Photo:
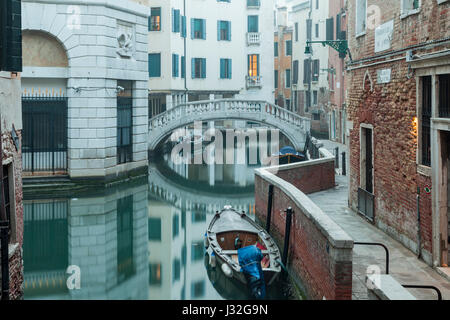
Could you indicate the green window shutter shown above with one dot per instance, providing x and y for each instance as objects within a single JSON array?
[
  {"x": 330, "y": 29},
  {"x": 229, "y": 31},
  {"x": 11, "y": 36},
  {"x": 222, "y": 68},
  {"x": 173, "y": 20},
  {"x": 276, "y": 79},
  {"x": 218, "y": 29},
  {"x": 230, "y": 69},
  {"x": 204, "y": 29},
  {"x": 183, "y": 67},
  {"x": 192, "y": 28},
  {"x": 154, "y": 64},
  {"x": 183, "y": 26},
  {"x": 252, "y": 23},
  {"x": 193, "y": 68},
  {"x": 203, "y": 68}
]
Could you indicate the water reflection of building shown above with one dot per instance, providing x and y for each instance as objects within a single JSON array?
[
  {"x": 177, "y": 221},
  {"x": 104, "y": 234}
]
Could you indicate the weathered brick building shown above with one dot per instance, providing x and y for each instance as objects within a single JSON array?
[
  {"x": 399, "y": 119},
  {"x": 283, "y": 66},
  {"x": 11, "y": 158}
]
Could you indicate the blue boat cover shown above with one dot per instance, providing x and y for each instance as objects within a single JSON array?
[
  {"x": 287, "y": 150},
  {"x": 250, "y": 261}
]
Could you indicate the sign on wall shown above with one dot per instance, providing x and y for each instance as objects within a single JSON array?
[
  {"x": 383, "y": 36},
  {"x": 384, "y": 76}
]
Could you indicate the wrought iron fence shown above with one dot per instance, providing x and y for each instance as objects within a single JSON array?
[
  {"x": 365, "y": 203},
  {"x": 44, "y": 143},
  {"x": 124, "y": 129}
]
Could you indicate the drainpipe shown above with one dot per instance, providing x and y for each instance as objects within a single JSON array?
[
  {"x": 419, "y": 248},
  {"x": 309, "y": 105},
  {"x": 185, "y": 57}
]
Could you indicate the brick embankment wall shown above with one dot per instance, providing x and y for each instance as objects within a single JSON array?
[
  {"x": 13, "y": 157},
  {"x": 320, "y": 252}
]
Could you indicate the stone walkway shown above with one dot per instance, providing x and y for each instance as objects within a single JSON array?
[{"x": 404, "y": 265}]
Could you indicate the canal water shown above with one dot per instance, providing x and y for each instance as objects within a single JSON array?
[{"x": 137, "y": 240}]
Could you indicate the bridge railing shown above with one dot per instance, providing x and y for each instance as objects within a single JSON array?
[{"x": 229, "y": 106}]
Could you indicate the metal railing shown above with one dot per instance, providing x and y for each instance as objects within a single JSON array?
[
  {"x": 380, "y": 245},
  {"x": 253, "y": 81},
  {"x": 413, "y": 286}
]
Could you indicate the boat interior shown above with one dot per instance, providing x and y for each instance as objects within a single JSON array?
[{"x": 231, "y": 241}]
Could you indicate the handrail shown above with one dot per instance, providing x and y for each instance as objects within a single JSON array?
[
  {"x": 377, "y": 244},
  {"x": 413, "y": 286}
]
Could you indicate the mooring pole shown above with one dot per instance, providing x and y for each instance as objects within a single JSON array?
[
  {"x": 269, "y": 208},
  {"x": 287, "y": 234},
  {"x": 344, "y": 165}
]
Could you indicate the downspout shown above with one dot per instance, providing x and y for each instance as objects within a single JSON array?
[
  {"x": 309, "y": 105},
  {"x": 185, "y": 57},
  {"x": 419, "y": 245}
]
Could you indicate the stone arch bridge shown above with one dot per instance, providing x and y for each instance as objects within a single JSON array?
[{"x": 292, "y": 125}]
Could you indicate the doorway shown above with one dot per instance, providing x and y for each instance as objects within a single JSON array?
[{"x": 365, "y": 191}]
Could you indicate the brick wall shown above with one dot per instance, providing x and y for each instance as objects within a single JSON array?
[
  {"x": 320, "y": 254},
  {"x": 391, "y": 108}
]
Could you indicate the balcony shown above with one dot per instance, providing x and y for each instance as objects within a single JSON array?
[
  {"x": 254, "y": 82},
  {"x": 253, "y": 38},
  {"x": 253, "y": 4}
]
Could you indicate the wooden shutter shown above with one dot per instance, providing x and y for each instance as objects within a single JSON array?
[
  {"x": 203, "y": 68},
  {"x": 193, "y": 68},
  {"x": 308, "y": 29},
  {"x": 203, "y": 29},
  {"x": 10, "y": 36},
  {"x": 295, "y": 75},
  {"x": 330, "y": 29}
]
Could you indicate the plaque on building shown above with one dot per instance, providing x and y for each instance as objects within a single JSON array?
[
  {"x": 383, "y": 36},
  {"x": 384, "y": 76}
]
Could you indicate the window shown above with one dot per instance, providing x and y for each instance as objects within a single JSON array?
[
  {"x": 176, "y": 20},
  {"x": 275, "y": 48},
  {"x": 223, "y": 30},
  {"x": 330, "y": 29},
  {"x": 315, "y": 97},
  {"x": 183, "y": 26},
  {"x": 175, "y": 226},
  {"x": 198, "y": 289},
  {"x": 410, "y": 7},
  {"x": 276, "y": 79},
  {"x": 253, "y": 65},
  {"x": 154, "y": 274},
  {"x": 296, "y": 31},
  {"x": 253, "y": 25},
  {"x": 225, "y": 68},
  {"x": 306, "y": 71},
  {"x": 444, "y": 96},
  {"x": 316, "y": 115},
  {"x": 308, "y": 28},
  {"x": 10, "y": 36},
  {"x": 155, "y": 19},
  {"x": 317, "y": 4},
  {"x": 175, "y": 65},
  {"x": 197, "y": 252},
  {"x": 288, "y": 47},
  {"x": 361, "y": 16},
  {"x": 198, "y": 29},
  {"x": 288, "y": 78},
  {"x": 154, "y": 65},
  {"x": 198, "y": 68},
  {"x": 253, "y": 3},
  {"x": 317, "y": 30},
  {"x": 124, "y": 123},
  {"x": 154, "y": 229},
  {"x": 176, "y": 266},
  {"x": 426, "y": 121},
  {"x": 295, "y": 76},
  {"x": 125, "y": 263}
]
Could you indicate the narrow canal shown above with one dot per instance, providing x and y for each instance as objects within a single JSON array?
[{"x": 137, "y": 240}]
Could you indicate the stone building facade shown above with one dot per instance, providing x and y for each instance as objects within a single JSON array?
[
  {"x": 89, "y": 60},
  {"x": 398, "y": 112},
  {"x": 11, "y": 135}
]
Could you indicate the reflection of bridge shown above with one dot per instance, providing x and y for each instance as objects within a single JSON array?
[
  {"x": 293, "y": 126},
  {"x": 172, "y": 192}
]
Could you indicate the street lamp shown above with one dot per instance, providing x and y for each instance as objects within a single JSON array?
[{"x": 340, "y": 46}]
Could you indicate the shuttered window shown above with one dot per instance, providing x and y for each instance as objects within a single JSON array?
[
  {"x": 426, "y": 121},
  {"x": 176, "y": 20},
  {"x": 306, "y": 71},
  {"x": 198, "y": 68},
  {"x": 330, "y": 29},
  {"x": 253, "y": 25},
  {"x": 154, "y": 23},
  {"x": 10, "y": 36},
  {"x": 295, "y": 75},
  {"x": 288, "y": 47},
  {"x": 253, "y": 65},
  {"x": 223, "y": 30},
  {"x": 308, "y": 29},
  {"x": 175, "y": 65},
  {"x": 154, "y": 65},
  {"x": 198, "y": 29},
  {"x": 316, "y": 70},
  {"x": 225, "y": 68}
]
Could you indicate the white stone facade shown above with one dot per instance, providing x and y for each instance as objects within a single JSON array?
[
  {"x": 105, "y": 42},
  {"x": 166, "y": 42}
]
